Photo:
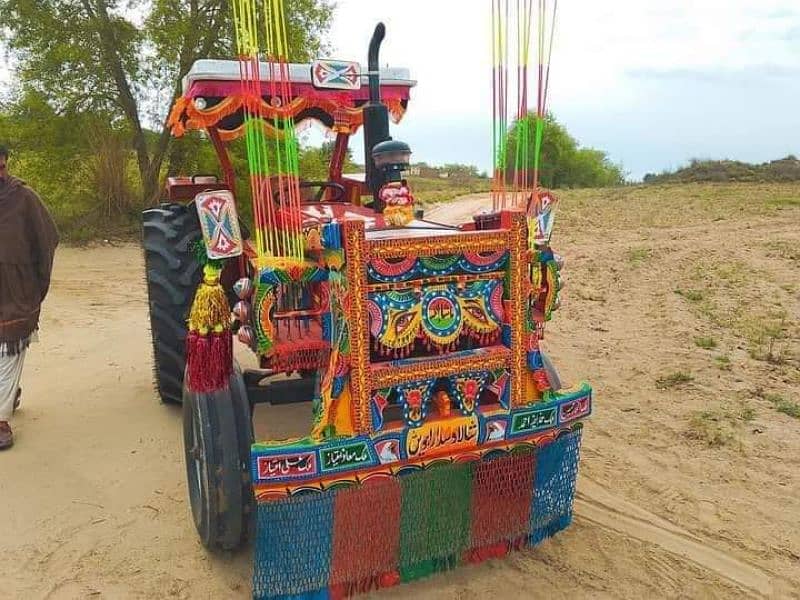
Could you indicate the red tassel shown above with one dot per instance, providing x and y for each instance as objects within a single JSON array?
[
  {"x": 220, "y": 360},
  {"x": 209, "y": 361},
  {"x": 197, "y": 353}
]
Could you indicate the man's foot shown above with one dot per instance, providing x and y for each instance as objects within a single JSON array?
[
  {"x": 6, "y": 436},
  {"x": 18, "y": 398}
]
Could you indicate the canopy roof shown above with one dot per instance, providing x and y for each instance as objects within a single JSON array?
[{"x": 213, "y": 97}]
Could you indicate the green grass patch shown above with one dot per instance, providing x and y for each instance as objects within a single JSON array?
[
  {"x": 723, "y": 362},
  {"x": 638, "y": 255},
  {"x": 711, "y": 428},
  {"x": 707, "y": 343},
  {"x": 766, "y": 335},
  {"x": 784, "y": 249},
  {"x": 672, "y": 380},
  {"x": 746, "y": 412},
  {"x": 782, "y": 405},
  {"x": 690, "y": 295},
  {"x": 784, "y": 201}
]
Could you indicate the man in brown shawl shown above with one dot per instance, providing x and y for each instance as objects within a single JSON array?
[{"x": 28, "y": 240}]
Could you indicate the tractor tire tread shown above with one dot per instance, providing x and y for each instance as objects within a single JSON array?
[{"x": 172, "y": 275}]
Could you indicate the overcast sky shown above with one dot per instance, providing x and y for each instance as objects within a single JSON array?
[{"x": 653, "y": 83}]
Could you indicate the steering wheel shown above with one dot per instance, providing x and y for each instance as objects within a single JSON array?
[{"x": 337, "y": 194}]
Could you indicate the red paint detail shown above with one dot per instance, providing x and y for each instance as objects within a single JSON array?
[
  {"x": 414, "y": 398},
  {"x": 223, "y": 243},
  {"x": 300, "y": 90},
  {"x": 541, "y": 380},
  {"x": 471, "y": 389},
  {"x": 337, "y": 160},
  {"x": 214, "y": 205},
  {"x": 286, "y": 465}
]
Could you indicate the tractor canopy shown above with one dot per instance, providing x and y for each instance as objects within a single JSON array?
[{"x": 213, "y": 97}]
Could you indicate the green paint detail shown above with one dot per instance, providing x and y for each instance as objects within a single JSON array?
[
  {"x": 264, "y": 342},
  {"x": 341, "y": 457},
  {"x": 305, "y": 443},
  {"x": 439, "y": 262},
  {"x": 533, "y": 420}
]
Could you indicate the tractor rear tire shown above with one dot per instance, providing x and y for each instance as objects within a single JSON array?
[
  {"x": 172, "y": 273},
  {"x": 217, "y": 430}
]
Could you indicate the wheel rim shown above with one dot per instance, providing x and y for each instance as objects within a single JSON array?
[{"x": 197, "y": 470}]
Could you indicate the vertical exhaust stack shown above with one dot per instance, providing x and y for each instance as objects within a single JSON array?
[{"x": 376, "y": 115}]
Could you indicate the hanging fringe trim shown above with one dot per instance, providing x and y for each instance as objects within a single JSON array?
[
  {"x": 209, "y": 361},
  {"x": 14, "y": 347}
]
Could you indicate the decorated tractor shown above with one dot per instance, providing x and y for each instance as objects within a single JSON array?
[{"x": 438, "y": 430}]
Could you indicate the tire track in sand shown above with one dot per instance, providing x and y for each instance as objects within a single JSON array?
[{"x": 598, "y": 506}]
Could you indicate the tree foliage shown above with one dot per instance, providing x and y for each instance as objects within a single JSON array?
[
  {"x": 80, "y": 165},
  {"x": 125, "y": 61},
  {"x": 563, "y": 163},
  {"x": 723, "y": 171},
  {"x": 314, "y": 162}
]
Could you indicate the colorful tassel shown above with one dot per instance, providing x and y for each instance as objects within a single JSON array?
[{"x": 209, "y": 346}]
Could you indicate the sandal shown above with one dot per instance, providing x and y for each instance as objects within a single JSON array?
[{"x": 6, "y": 436}]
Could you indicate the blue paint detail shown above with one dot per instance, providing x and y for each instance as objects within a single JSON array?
[
  {"x": 506, "y": 335},
  {"x": 293, "y": 547},
  {"x": 377, "y": 416},
  {"x": 546, "y": 255},
  {"x": 332, "y": 236},
  {"x": 505, "y": 397},
  {"x": 394, "y": 436},
  {"x": 337, "y": 386},
  {"x": 483, "y": 423},
  {"x": 211, "y": 223},
  {"x": 327, "y": 327},
  {"x": 535, "y": 360},
  {"x": 226, "y": 225},
  {"x": 497, "y": 265}
]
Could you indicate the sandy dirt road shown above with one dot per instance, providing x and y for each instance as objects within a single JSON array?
[{"x": 93, "y": 500}]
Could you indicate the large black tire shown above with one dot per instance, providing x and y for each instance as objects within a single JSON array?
[
  {"x": 172, "y": 274},
  {"x": 217, "y": 431}
]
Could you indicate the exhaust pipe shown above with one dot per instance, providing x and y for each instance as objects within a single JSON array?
[
  {"x": 376, "y": 115},
  {"x": 373, "y": 63}
]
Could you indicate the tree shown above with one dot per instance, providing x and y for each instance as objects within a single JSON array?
[
  {"x": 127, "y": 63},
  {"x": 315, "y": 161},
  {"x": 562, "y": 162}
]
